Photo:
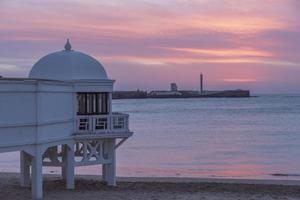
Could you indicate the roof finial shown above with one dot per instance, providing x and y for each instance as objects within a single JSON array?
[{"x": 68, "y": 46}]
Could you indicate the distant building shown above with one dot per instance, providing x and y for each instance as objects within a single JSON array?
[{"x": 174, "y": 87}]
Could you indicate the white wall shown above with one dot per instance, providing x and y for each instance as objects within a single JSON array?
[
  {"x": 17, "y": 108},
  {"x": 37, "y": 111},
  {"x": 55, "y": 111},
  {"x": 19, "y": 135},
  {"x": 17, "y": 112}
]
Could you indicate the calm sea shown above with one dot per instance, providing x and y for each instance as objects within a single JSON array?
[{"x": 227, "y": 138}]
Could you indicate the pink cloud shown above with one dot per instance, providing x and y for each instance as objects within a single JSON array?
[{"x": 251, "y": 39}]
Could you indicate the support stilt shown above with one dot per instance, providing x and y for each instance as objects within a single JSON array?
[
  {"x": 63, "y": 157},
  {"x": 110, "y": 171},
  {"x": 104, "y": 172},
  {"x": 24, "y": 169},
  {"x": 69, "y": 167},
  {"x": 37, "y": 175},
  {"x": 104, "y": 166}
]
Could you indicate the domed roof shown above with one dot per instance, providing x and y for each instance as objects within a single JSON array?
[{"x": 68, "y": 65}]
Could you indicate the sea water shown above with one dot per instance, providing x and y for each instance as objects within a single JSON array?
[{"x": 256, "y": 137}]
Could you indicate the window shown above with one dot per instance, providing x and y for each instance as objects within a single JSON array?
[{"x": 92, "y": 103}]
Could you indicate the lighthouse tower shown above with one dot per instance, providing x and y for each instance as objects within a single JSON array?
[
  {"x": 61, "y": 116},
  {"x": 201, "y": 84}
]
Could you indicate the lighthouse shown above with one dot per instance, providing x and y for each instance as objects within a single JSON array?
[{"x": 201, "y": 84}]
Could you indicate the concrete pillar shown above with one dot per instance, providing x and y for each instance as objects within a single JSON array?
[
  {"x": 69, "y": 167},
  {"x": 110, "y": 169},
  {"x": 37, "y": 175},
  {"x": 104, "y": 172},
  {"x": 105, "y": 155},
  {"x": 24, "y": 169},
  {"x": 63, "y": 167}
]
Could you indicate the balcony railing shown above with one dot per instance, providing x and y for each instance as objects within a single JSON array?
[{"x": 92, "y": 124}]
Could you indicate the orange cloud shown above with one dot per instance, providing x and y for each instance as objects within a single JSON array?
[
  {"x": 156, "y": 60},
  {"x": 239, "y": 80},
  {"x": 231, "y": 23},
  {"x": 223, "y": 52}
]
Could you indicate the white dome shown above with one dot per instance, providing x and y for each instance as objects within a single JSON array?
[{"x": 68, "y": 65}]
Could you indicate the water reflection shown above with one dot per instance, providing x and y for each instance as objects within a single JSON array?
[{"x": 240, "y": 138}]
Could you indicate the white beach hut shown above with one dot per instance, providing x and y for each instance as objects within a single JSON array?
[{"x": 61, "y": 116}]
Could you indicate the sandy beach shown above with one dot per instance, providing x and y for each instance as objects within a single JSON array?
[{"x": 89, "y": 187}]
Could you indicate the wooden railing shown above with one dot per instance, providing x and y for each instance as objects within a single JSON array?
[{"x": 92, "y": 124}]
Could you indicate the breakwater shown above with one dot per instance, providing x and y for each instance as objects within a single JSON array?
[{"x": 180, "y": 94}]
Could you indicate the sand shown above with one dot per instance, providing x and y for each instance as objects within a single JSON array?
[{"x": 91, "y": 188}]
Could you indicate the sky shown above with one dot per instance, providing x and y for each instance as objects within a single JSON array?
[{"x": 147, "y": 44}]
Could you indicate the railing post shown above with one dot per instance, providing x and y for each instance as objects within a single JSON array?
[
  {"x": 127, "y": 122},
  {"x": 91, "y": 121},
  {"x": 110, "y": 113},
  {"x": 76, "y": 124},
  {"x": 110, "y": 119}
]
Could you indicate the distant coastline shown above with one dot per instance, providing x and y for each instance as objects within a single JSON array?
[
  {"x": 175, "y": 93},
  {"x": 139, "y": 94}
]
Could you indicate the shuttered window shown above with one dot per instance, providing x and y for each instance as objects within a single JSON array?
[{"x": 92, "y": 103}]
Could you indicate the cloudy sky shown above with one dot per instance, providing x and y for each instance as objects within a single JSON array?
[{"x": 146, "y": 44}]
